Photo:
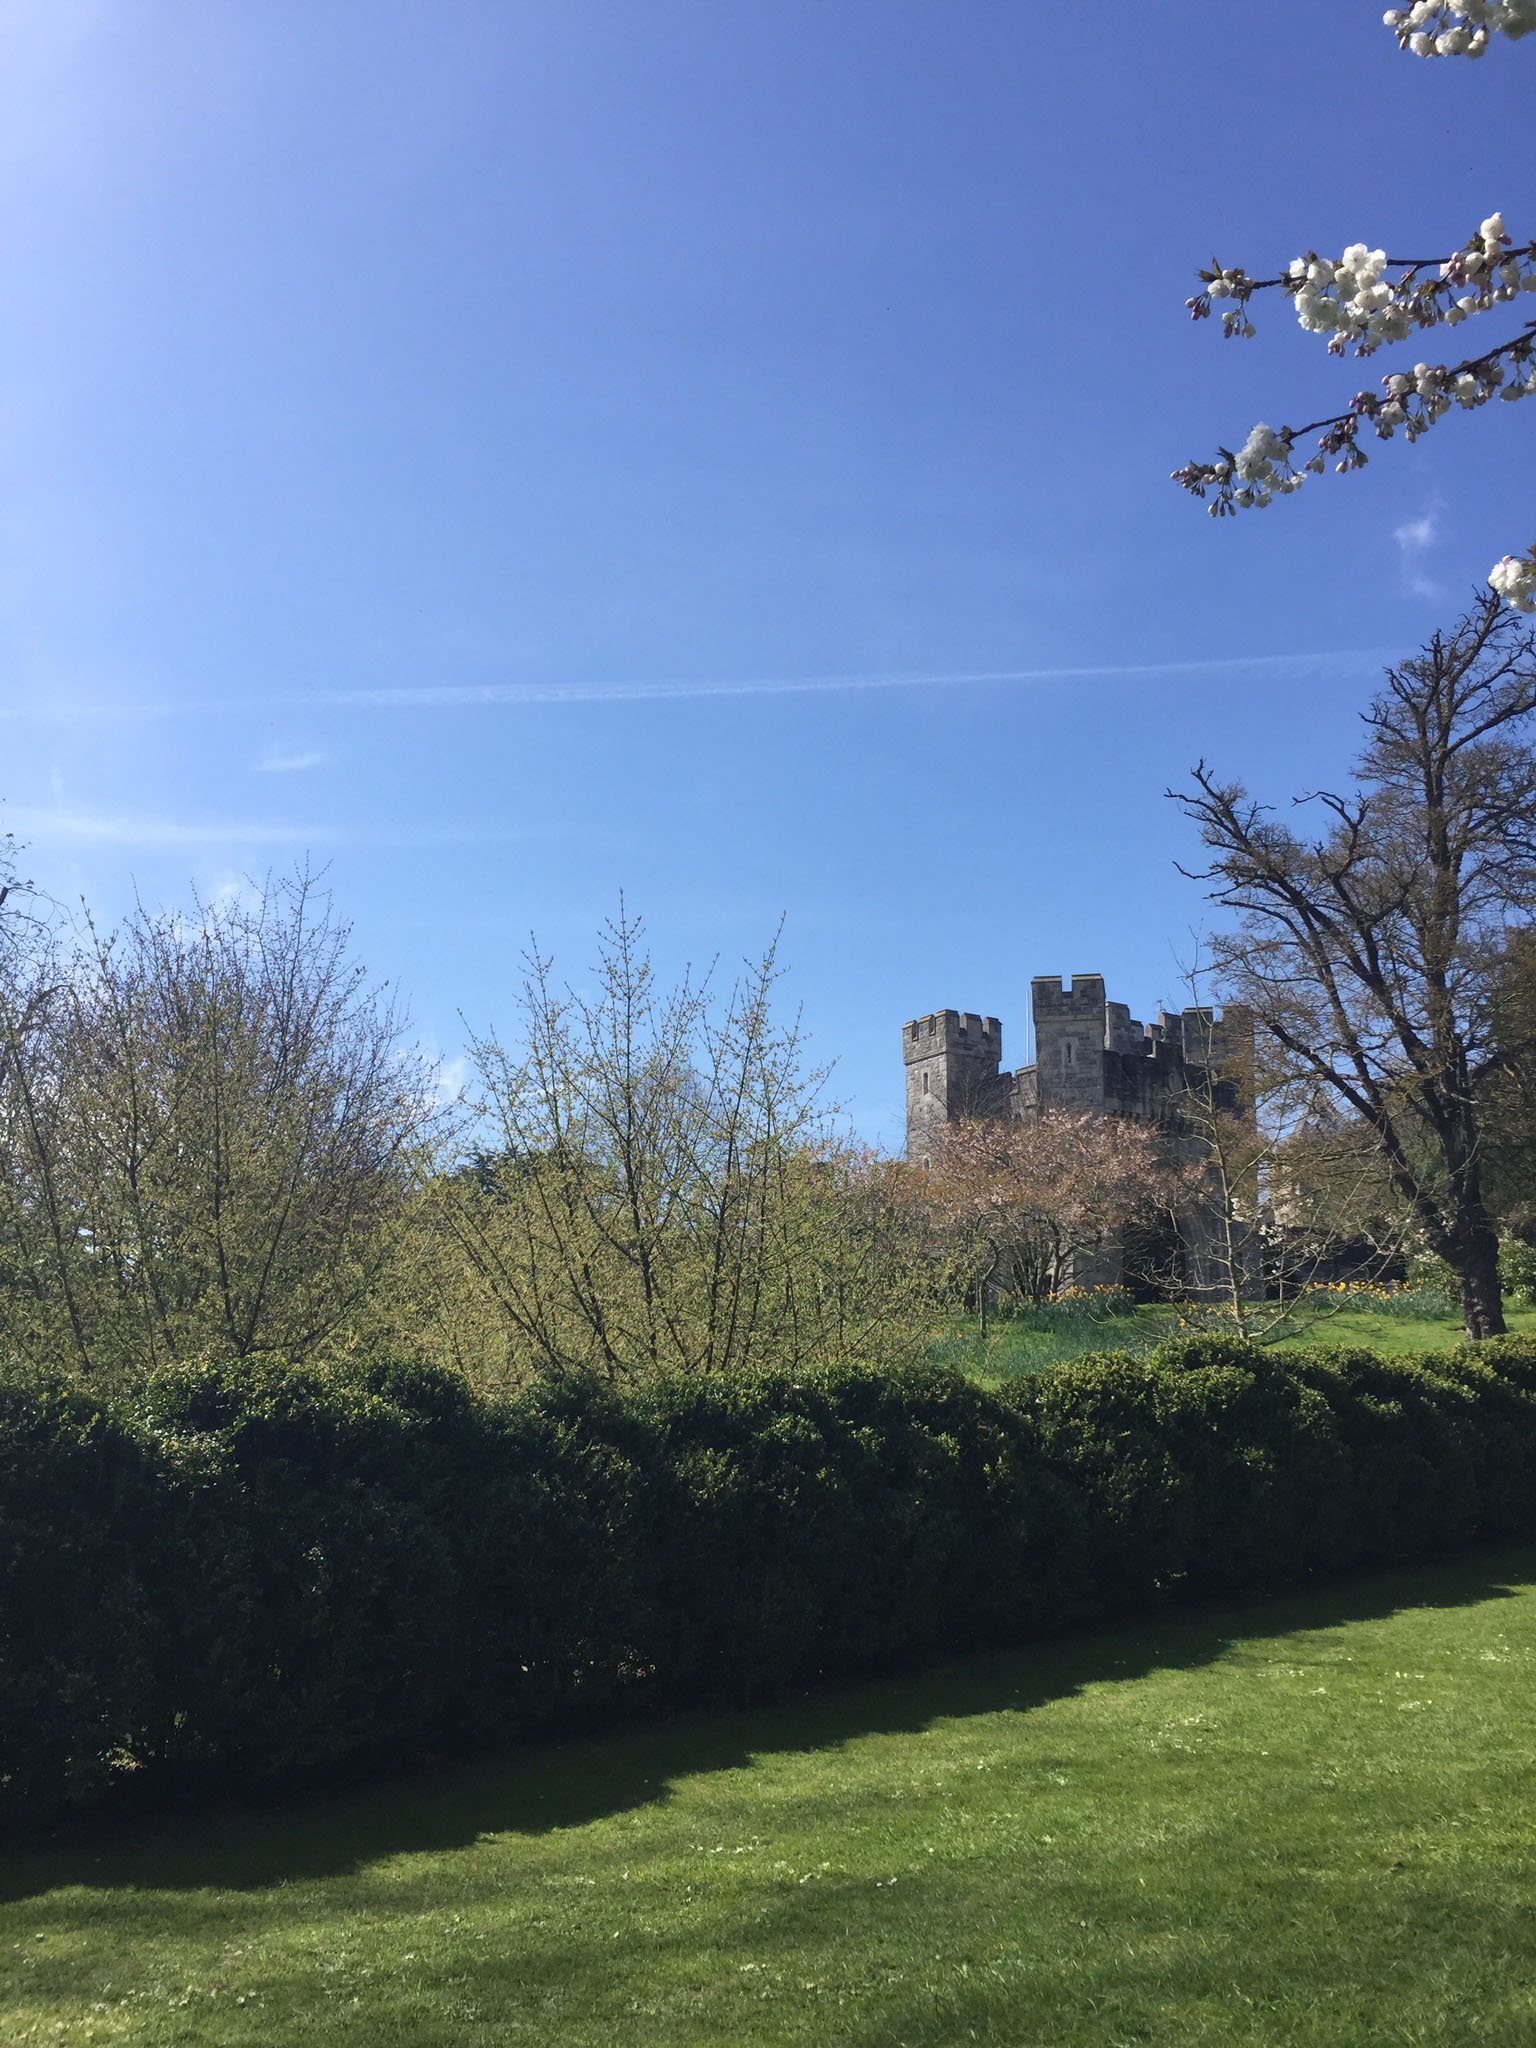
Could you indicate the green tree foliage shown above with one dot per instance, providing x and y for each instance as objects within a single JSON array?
[{"x": 207, "y": 1130}]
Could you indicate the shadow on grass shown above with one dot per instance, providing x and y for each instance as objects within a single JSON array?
[{"x": 538, "y": 1789}]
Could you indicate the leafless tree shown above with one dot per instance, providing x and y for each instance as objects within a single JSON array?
[{"x": 1371, "y": 952}]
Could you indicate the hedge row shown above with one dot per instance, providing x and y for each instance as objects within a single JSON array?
[{"x": 263, "y": 1575}]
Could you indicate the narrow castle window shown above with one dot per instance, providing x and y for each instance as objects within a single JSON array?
[
  {"x": 1066, "y": 1054},
  {"x": 925, "y": 1084}
]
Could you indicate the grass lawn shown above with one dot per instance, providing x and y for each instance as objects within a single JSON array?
[
  {"x": 1012, "y": 1348},
  {"x": 1402, "y": 1333},
  {"x": 1303, "y": 1822}
]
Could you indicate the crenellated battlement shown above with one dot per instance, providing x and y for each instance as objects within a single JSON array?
[
  {"x": 923, "y": 1038},
  {"x": 1090, "y": 1055},
  {"x": 1050, "y": 996}
]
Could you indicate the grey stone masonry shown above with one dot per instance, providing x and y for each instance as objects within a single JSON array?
[{"x": 952, "y": 1060}]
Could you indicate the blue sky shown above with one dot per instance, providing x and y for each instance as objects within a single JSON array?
[{"x": 513, "y": 453}]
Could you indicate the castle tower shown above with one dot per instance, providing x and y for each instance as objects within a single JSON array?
[
  {"x": 952, "y": 1059},
  {"x": 1072, "y": 1030}
]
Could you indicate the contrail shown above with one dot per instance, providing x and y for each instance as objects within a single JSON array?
[{"x": 472, "y": 696}]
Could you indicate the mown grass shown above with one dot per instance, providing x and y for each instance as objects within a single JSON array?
[
  {"x": 1306, "y": 1822},
  {"x": 1396, "y": 1333},
  {"x": 1012, "y": 1348}
]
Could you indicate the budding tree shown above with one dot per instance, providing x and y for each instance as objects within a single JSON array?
[
  {"x": 1364, "y": 300},
  {"x": 208, "y": 1125},
  {"x": 665, "y": 1189}
]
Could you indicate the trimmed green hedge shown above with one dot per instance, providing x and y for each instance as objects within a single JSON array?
[{"x": 261, "y": 1576}]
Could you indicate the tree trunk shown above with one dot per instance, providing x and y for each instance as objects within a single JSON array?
[{"x": 1477, "y": 1274}]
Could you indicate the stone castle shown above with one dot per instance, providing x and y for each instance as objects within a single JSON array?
[{"x": 1091, "y": 1056}]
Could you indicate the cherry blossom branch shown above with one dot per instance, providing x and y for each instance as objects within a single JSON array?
[
  {"x": 1438, "y": 28},
  {"x": 1459, "y": 28},
  {"x": 1366, "y": 299},
  {"x": 1513, "y": 578},
  {"x": 1413, "y": 400},
  {"x": 1353, "y": 299}
]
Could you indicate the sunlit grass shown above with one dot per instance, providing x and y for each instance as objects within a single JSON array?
[
  {"x": 1303, "y": 1823},
  {"x": 1012, "y": 1348},
  {"x": 1397, "y": 1333}
]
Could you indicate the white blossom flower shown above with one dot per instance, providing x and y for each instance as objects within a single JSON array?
[
  {"x": 1459, "y": 28},
  {"x": 1259, "y": 454},
  {"x": 1514, "y": 579}
]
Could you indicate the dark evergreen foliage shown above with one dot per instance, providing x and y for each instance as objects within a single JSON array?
[{"x": 258, "y": 1575}]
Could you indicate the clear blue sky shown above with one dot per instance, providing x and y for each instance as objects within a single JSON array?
[{"x": 518, "y": 452}]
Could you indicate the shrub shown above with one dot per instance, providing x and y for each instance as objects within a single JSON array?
[
  {"x": 1413, "y": 1481},
  {"x": 1268, "y": 1478},
  {"x": 267, "y": 1574},
  {"x": 847, "y": 1519},
  {"x": 1517, "y": 1271},
  {"x": 78, "y": 1509},
  {"x": 1099, "y": 1428},
  {"x": 308, "y": 1593}
]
